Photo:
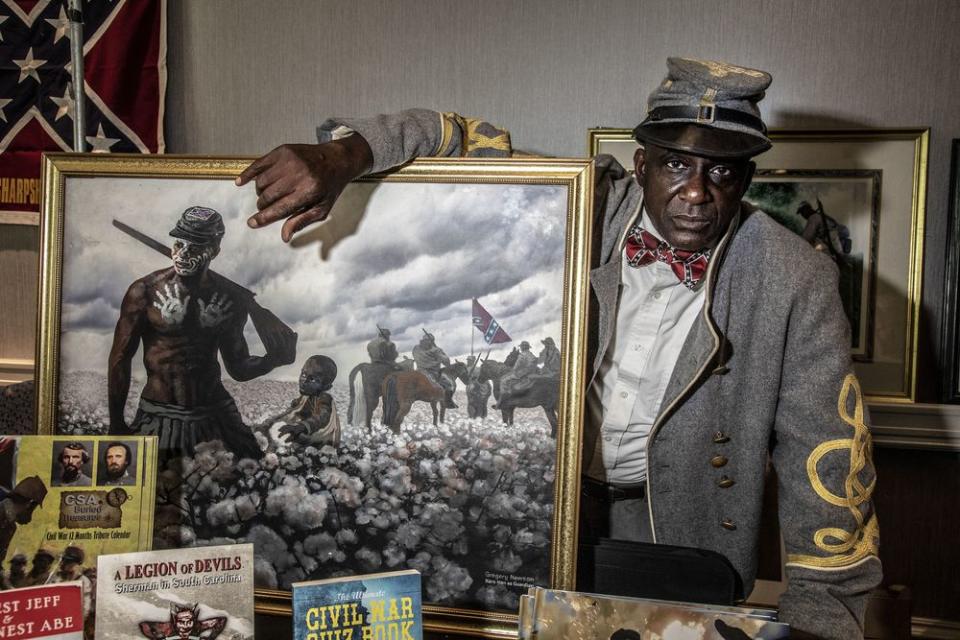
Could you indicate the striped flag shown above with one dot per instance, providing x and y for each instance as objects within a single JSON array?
[
  {"x": 124, "y": 50},
  {"x": 492, "y": 332}
]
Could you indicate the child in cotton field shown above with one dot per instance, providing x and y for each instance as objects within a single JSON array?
[{"x": 312, "y": 419}]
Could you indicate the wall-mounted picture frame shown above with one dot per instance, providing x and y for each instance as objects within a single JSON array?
[
  {"x": 866, "y": 192},
  {"x": 285, "y": 459},
  {"x": 951, "y": 293}
]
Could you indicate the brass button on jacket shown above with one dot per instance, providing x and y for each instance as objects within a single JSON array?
[
  {"x": 720, "y": 437},
  {"x": 728, "y": 524},
  {"x": 725, "y": 482},
  {"x": 718, "y": 461}
]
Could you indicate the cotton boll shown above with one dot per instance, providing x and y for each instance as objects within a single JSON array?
[
  {"x": 393, "y": 555},
  {"x": 421, "y": 562},
  {"x": 448, "y": 580},
  {"x": 248, "y": 467},
  {"x": 409, "y": 535},
  {"x": 269, "y": 546},
  {"x": 300, "y": 508},
  {"x": 397, "y": 481},
  {"x": 294, "y": 574},
  {"x": 291, "y": 463},
  {"x": 321, "y": 546},
  {"x": 247, "y": 506},
  {"x": 369, "y": 558},
  {"x": 221, "y": 513},
  {"x": 264, "y": 574},
  {"x": 346, "y": 536}
]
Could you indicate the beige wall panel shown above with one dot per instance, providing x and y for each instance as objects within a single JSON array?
[{"x": 18, "y": 301}]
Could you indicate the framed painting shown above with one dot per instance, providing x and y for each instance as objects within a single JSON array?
[
  {"x": 332, "y": 400},
  {"x": 846, "y": 227},
  {"x": 951, "y": 294},
  {"x": 860, "y": 196}
]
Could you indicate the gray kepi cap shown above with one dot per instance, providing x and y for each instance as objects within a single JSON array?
[
  {"x": 199, "y": 225},
  {"x": 707, "y": 108}
]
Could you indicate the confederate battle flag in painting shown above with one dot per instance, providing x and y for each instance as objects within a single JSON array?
[
  {"x": 124, "y": 52},
  {"x": 492, "y": 332}
]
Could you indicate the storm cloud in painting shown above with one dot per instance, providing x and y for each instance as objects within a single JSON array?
[{"x": 407, "y": 256}]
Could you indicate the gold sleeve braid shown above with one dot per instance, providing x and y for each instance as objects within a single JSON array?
[
  {"x": 477, "y": 136},
  {"x": 845, "y": 548}
]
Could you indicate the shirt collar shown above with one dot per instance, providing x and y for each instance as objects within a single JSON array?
[{"x": 647, "y": 223}]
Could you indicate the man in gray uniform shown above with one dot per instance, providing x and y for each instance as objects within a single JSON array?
[
  {"x": 520, "y": 377},
  {"x": 381, "y": 349},
  {"x": 549, "y": 359},
  {"x": 430, "y": 360},
  {"x": 752, "y": 363}
]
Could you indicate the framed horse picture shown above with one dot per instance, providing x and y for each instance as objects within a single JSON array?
[{"x": 400, "y": 387}]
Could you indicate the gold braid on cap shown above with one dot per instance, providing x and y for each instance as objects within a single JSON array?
[{"x": 723, "y": 69}]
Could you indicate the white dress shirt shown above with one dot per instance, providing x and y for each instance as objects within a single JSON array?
[{"x": 654, "y": 316}]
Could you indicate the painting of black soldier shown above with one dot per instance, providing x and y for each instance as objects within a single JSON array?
[
  {"x": 380, "y": 394},
  {"x": 836, "y": 211}
]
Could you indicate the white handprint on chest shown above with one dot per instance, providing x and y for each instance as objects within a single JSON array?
[{"x": 172, "y": 304}]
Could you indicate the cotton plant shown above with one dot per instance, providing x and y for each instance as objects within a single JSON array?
[{"x": 452, "y": 501}]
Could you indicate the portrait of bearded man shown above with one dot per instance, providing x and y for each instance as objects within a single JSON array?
[
  {"x": 71, "y": 464},
  {"x": 115, "y": 464}
]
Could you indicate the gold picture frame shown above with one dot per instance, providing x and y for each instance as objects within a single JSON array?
[
  {"x": 78, "y": 244},
  {"x": 895, "y": 160}
]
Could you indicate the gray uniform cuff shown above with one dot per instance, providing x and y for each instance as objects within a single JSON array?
[{"x": 395, "y": 139}]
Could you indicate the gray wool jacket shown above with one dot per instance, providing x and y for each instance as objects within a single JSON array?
[{"x": 764, "y": 374}]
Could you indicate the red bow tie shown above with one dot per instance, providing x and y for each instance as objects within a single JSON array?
[{"x": 644, "y": 248}]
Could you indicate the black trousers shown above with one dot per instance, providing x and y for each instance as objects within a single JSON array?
[{"x": 619, "y": 519}]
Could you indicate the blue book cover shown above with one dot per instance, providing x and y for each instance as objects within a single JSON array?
[{"x": 379, "y": 606}]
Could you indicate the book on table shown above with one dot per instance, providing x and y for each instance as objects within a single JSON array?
[{"x": 379, "y": 606}]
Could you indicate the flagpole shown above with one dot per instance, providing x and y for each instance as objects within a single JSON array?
[{"x": 75, "y": 15}]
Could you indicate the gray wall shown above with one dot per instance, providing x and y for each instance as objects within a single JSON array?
[{"x": 246, "y": 75}]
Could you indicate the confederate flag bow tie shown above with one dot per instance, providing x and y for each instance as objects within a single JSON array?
[{"x": 644, "y": 248}]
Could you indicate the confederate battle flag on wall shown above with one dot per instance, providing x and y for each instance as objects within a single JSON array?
[{"x": 124, "y": 53}]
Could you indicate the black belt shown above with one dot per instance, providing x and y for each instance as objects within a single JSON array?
[
  {"x": 707, "y": 114},
  {"x": 609, "y": 492}
]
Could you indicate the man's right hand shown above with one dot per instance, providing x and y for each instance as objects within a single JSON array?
[{"x": 301, "y": 182}]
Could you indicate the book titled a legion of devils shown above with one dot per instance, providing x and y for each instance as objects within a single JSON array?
[
  {"x": 199, "y": 592},
  {"x": 379, "y": 606}
]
